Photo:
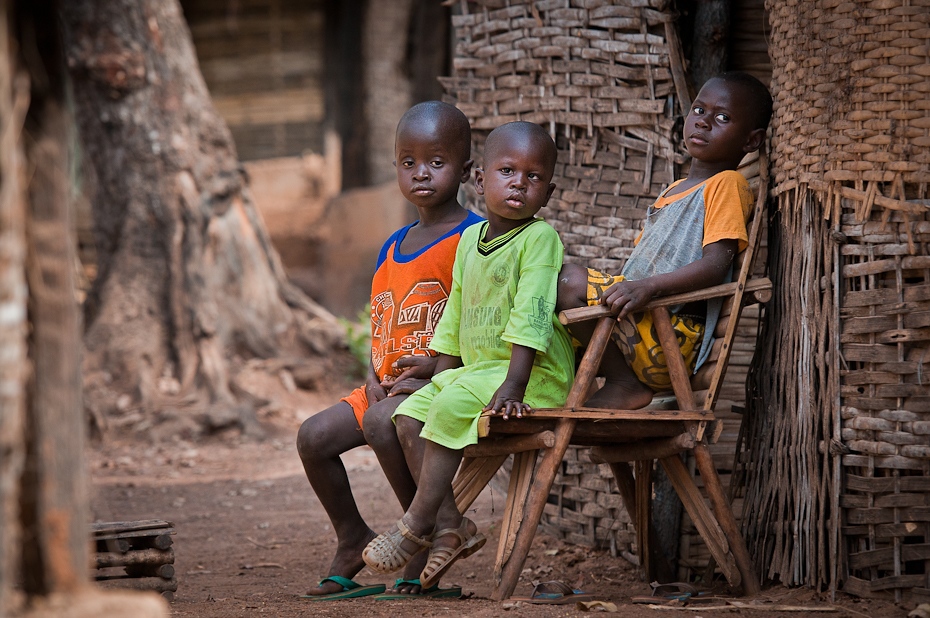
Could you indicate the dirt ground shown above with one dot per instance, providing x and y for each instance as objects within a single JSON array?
[{"x": 251, "y": 535}]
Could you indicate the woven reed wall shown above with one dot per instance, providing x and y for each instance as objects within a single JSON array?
[
  {"x": 845, "y": 390},
  {"x": 608, "y": 81}
]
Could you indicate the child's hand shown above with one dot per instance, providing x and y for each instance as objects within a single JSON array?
[
  {"x": 508, "y": 400},
  {"x": 373, "y": 390},
  {"x": 415, "y": 373},
  {"x": 405, "y": 386},
  {"x": 420, "y": 367},
  {"x": 625, "y": 297}
]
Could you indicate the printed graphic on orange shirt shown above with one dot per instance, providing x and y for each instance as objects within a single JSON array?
[{"x": 407, "y": 328}]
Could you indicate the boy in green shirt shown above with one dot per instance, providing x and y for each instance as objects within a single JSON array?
[{"x": 500, "y": 346}]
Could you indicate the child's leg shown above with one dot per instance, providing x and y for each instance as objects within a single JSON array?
[
  {"x": 622, "y": 388},
  {"x": 381, "y": 434},
  {"x": 433, "y": 506},
  {"x": 449, "y": 415},
  {"x": 400, "y": 452},
  {"x": 320, "y": 441}
]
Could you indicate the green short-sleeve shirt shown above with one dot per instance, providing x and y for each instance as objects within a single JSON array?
[{"x": 503, "y": 293}]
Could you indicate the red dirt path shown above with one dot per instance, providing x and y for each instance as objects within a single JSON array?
[{"x": 251, "y": 536}]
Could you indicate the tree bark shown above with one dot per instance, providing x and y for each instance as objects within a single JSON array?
[
  {"x": 14, "y": 99},
  {"x": 344, "y": 93},
  {"x": 51, "y": 497},
  {"x": 186, "y": 274},
  {"x": 709, "y": 48}
]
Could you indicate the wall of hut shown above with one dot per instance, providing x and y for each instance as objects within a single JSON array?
[{"x": 838, "y": 464}]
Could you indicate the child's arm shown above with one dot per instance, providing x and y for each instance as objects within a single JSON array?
[
  {"x": 626, "y": 297},
  {"x": 447, "y": 361},
  {"x": 508, "y": 399}
]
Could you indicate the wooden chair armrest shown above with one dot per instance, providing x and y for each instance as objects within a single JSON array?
[
  {"x": 605, "y": 414},
  {"x": 760, "y": 289}
]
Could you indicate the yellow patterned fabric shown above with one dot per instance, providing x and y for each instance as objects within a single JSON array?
[{"x": 639, "y": 341}]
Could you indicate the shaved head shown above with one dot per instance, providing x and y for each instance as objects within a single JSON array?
[
  {"x": 438, "y": 118},
  {"x": 522, "y": 131}
]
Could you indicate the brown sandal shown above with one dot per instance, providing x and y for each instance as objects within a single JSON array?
[
  {"x": 441, "y": 558},
  {"x": 385, "y": 555}
]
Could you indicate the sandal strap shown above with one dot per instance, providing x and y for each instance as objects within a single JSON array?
[
  {"x": 410, "y": 536},
  {"x": 460, "y": 532},
  {"x": 552, "y": 587}
]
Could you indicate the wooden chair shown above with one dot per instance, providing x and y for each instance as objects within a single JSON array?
[{"x": 621, "y": 437}]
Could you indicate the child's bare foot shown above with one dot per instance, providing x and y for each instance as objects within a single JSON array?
[
  {"x": 346, "y": 563},
  {"x": 621, "y": 395}
]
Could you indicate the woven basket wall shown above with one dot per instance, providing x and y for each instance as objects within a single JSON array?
[
  {"x": 607, "y": 80},
  {"x": 852, "y": 147}
]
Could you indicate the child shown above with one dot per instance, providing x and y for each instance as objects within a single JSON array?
[
  {"x": 408, "y": 293},
  {"x": 691, "y": 234},
  {"x": 500, "y": 346}
]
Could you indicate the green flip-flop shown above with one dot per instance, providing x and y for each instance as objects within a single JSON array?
[
  {"x": 434, "y": 592},
  {"x": 350, "y": 590}
]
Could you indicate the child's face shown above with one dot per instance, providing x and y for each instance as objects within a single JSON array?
[
  {"x": 719, "y": 128},
  {"x": 428, "y": 171},
  {"x": 516, "y": 180}
]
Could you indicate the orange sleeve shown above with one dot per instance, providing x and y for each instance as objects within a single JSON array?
[{"x": 727, "y": 203}]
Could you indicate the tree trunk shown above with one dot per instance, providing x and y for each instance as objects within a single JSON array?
[
  {"x": 709, "y": 47},
  {"x": 54, "y": 501},
  {"x": 14, "y": 99},
  {"x": 186, "y": 274},
  {"x": 343, "y": 67}
]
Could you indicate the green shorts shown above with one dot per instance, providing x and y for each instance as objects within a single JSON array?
[{"x": 449, "y": 414}]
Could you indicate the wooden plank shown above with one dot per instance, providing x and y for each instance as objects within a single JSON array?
[
  {"x": 521, "y": 476},
  {"x": 143, "y": 556},
  {"x": 885, "y": 556},
  {"x": 725, "y": 518},
  {"x": 140, "y": 583},
  {"x": 115, "y": 528},
  {"x": 643, "y": 517},
  {"x": 484, "y": 471},
  {"x": 513, "y": 444},
  {"x": 644, "y": 414},
  {"x": 677, "y": 371},
  {"x": 580, "y": 314},
  {"x": 645, "y": 450}
]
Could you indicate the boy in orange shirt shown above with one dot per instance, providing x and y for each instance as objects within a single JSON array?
[
  {"x": 691, "y": 235},
  {"x": 409, "y": 291}
]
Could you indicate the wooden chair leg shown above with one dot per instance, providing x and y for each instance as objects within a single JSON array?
[
  {"x": 473, "y": 475},
  {"x": 643, "y": 517},
  {"x": 521, "y": 477},
  {"x": 551, "y": 460},
  {"x": 626, "y": 484},
  {"x": 702, "y": 517},
  {"x": 532, "y": 512},
  {"x": 721, "y": 506}
]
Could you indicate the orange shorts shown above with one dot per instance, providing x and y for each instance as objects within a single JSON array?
[{"x": 358, "y": 399}]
